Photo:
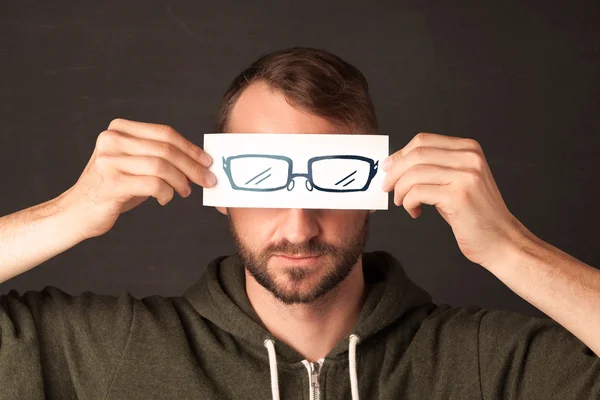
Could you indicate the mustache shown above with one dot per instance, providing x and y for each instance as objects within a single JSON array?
[{"x": 310, "y": 248}]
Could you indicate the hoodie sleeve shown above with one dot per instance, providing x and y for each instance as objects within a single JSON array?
[
  {"x": 54, "y": 345},
  {"x": 523, "y": 357}
]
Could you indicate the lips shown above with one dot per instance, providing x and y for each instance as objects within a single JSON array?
[{"x": 298, "y": 257}]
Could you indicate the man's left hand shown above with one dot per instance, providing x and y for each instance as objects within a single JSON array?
[{"x": 452, "y": 174}]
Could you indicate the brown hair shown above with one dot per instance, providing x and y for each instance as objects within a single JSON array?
[{"x": 314, "y": 80}]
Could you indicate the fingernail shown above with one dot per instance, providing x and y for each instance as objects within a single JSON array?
[
  {"x": 205, "y": 159},
  {"x": 212, "y": 179}
]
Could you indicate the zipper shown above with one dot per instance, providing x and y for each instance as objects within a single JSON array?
[{"x": 313, "y": 368}]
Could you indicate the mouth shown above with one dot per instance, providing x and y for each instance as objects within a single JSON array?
[{"x": 298, "y": 258}]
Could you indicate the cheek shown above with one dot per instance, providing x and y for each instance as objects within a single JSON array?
[
  {"x": 338, "y": 224},
  {"x": 254, "y": 224}
]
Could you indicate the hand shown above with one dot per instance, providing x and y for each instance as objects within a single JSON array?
[
  {"x": 131, "y": 162},
  {"x": 452, "y": 174}
]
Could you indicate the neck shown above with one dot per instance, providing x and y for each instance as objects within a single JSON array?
[{"x": 311, "y": 329}]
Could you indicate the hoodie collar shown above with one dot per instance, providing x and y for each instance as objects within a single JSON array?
[{"x": 220, "y": 297}]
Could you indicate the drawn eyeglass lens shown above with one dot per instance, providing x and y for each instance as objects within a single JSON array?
[
  {"x": 259, "y": 172},
  {"x": 340, "y": 174}
]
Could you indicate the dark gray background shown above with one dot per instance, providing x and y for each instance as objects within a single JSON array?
[{"x": 520, "y": 77}]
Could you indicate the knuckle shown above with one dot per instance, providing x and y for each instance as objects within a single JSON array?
[
  {"x": 406, "y": 200},
  {"x": 167, "y": 194},
  {"x": 195, "y": 151},
  {"x": 166, "y": 150},
  {"x": 422, "y": 137},
  {"x": 114, "y": 122},
  {"x": 106, "y": 139},
  {"x": 416, "y": 169},
  {"x": 399, "y": 185},
  {"x": 473, "y": 144},
  {"x": 157, "y": 165},
  {"x": 420, "y": 151},
  {"x": 416, "y": 190},
  {"x": 410, "y": 197},
  {"x": 155, "y": 185},
  {"x": 165, "y": 130},
  {"x": 102, "y": 136},
  {"x": 399, "y": 188},
  {"x": 201, "y": 173},
  {"x": 477, "y": 161},
  {"x": 197, "y": 170}
]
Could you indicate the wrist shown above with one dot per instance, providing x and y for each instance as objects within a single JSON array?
[
  {"x": 520, "y": 243},
  {"x": 66, "y": 212},
  {"x": 34, "y": 235}
]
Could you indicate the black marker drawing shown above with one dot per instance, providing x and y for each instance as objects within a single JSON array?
[{"x": 268, "y": 173}]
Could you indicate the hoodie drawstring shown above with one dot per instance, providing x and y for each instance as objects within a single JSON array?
[
  {"x": 354, "y": 339},
  {"x": 270, "y": 345}
]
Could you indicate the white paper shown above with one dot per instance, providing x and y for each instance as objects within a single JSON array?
[{"x": 257, "y": 169}]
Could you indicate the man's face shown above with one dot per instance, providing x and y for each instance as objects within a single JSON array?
[{"x": 296, "y": 254}]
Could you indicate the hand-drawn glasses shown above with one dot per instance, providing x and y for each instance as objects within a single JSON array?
[{"x": 267, "y": 173}]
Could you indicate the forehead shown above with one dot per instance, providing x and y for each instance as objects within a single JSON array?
[{"x": 259, "y": 109}]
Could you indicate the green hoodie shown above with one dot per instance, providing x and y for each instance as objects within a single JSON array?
[{"x": 210, "y": 344}]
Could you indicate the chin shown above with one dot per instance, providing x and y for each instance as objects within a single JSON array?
[{"x": 300, "y": 278}]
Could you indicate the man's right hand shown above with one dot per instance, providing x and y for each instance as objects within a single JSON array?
[{"x": 131, "y": 162}]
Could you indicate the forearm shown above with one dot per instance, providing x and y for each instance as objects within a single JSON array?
[
  {"x": 564, "y": 288},
  {"x": 33, "y": 235}
]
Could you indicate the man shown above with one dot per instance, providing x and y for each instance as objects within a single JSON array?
[{"x": 300, "y": 312}]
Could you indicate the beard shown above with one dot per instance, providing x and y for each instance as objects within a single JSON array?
[{"x": 336, "y": 261}]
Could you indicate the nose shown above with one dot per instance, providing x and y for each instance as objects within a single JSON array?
[{"x": 299, "y": 225}]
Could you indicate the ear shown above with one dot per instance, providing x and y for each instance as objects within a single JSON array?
[{"x": 222, "y": 210}]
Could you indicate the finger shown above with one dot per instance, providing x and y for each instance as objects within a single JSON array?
[
  {"x": 144, "y": 186},
  {"x": 151, "y": 166},
  {"x": 195, "y": 172},
  {"x": 435, "y": 195},
  {"x": 451, "y": 158},
  {"x": 425, "y": 139},
  {"x": 424, "y": 174},
  {"x": 161, "y": 133}
]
